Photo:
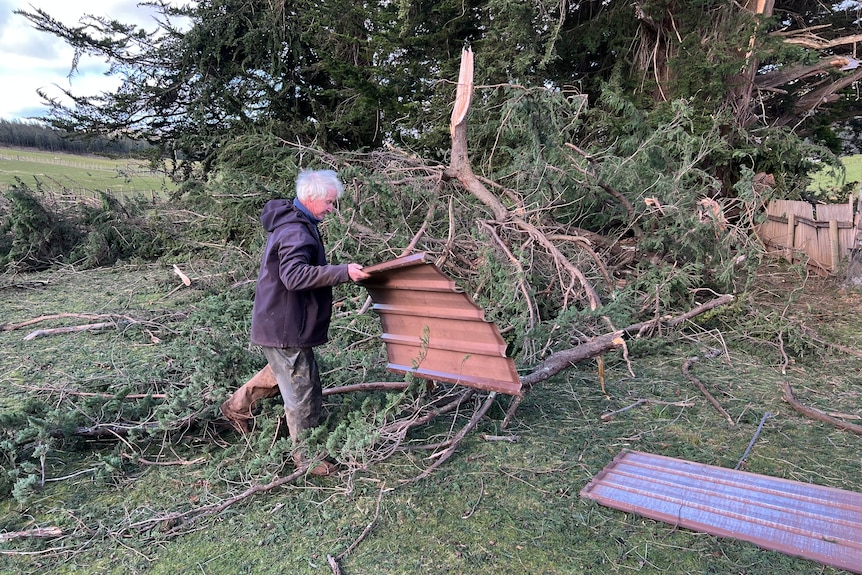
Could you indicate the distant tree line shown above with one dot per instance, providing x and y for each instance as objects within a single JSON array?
[{"x": 35, "y": 135}]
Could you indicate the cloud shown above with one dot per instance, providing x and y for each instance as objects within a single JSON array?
[{"x": 31, "y": 60}]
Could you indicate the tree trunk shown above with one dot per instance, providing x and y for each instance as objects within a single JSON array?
[{"x": 740, "y": 96}]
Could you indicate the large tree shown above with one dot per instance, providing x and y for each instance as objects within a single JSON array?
[{"x": 347, "y": 75}]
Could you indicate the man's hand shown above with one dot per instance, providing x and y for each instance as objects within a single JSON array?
[{"x": 356, "y": 273}]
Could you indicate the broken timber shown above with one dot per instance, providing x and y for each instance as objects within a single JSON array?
[{"x": 433, "y": 330}]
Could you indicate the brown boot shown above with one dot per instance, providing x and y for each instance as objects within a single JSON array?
[{"x": 237, "y": 408}]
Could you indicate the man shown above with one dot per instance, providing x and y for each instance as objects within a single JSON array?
[{"x": 293, "y": 308}]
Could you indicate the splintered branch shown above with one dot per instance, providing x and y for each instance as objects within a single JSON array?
[
  {"x": 459, "y": 169},
  {"x": 86, "y": 316},
  {"x": 557, "y": 362},
  {"x": 561, "y": 360}
]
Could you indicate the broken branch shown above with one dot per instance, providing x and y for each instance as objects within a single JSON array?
[
  {"x": 87, "y": 316},
  {"x": 459, "y": 169},
  {"x": 69, "y": 329},
  {"x": 816, "y": 413},
  {"x": 685, "y": 370},
  {"x": 186, "y": 517},
  {"x": 40, "y": 532},
  {"x": 561, "y": 360},
  {"x": 474, "y": 421}
]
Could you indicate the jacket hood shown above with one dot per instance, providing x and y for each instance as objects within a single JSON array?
[{"x": 276, "y": 213}]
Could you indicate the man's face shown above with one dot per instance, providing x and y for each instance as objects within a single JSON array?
[{"x": 320, "y": 208}]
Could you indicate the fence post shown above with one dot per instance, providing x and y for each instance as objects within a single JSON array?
[
  {"x": 833, "y": 244},
  {"x": 791, "y": 235}
]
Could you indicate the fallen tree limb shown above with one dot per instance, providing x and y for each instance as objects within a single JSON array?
[
  {"x": 69, "y": 329},
  {"x": 744, "y": 457},
  {"x": 115, "y": 430},
  {"x": 456, "y": 441},
  {"x": 172, "y": 522},
  {"x": 816, "y": 413},
  {"x": 333, "y": 561},
  {"x": 25, "y": 284},
  {"x": 509, "y": 438},
  {"x": 41, "y": 318},
  {"x": 367, "y": 386},
  {"x": 557, "y": 362},
  {"x": 561, "y": 360},
  {"x": 72, "y": 393},
  {"x": 432, "y": 413},
  {"x": 459, "y": 169},
  {"x": 39, "y": 532}
]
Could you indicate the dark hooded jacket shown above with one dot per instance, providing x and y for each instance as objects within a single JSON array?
[{"x": 293, "y": 298}]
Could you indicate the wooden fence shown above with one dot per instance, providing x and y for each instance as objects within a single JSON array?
[{"x": 822, "y": 234}]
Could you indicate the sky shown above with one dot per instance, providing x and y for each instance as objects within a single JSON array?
[{"x": 30, "y": 60}]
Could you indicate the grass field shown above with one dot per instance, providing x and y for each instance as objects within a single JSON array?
[
  {"x": 114, "y": 504},
  {"x": 825, "y": 180},
  {"x": 497, "y": 507},
  {"x": 79, "y": 174}
]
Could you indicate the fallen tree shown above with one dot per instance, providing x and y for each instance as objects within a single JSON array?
[{"x": 549, "y": 267}]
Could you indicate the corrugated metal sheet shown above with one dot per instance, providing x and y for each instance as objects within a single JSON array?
[
  {"x": 434, "y": 331},
  {"x": 800, "y": 519}
]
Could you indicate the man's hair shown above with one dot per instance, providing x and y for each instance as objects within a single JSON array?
[{"x": 313, "y": 184}]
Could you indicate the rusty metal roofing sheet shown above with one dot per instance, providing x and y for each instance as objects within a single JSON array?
[
  {"x": 434, "y": 331},
  {"x": 800, "y": 519}
]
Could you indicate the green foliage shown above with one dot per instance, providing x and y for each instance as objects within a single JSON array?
[
  {"x": 118, "y": 231},
  {"x": 210, "y": 352},
  {"x": 33, "y": 236},
  {"x": 38, "y": 231}
]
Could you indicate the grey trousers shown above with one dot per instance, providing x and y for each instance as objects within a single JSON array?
[{"x": 298, "y": 380}]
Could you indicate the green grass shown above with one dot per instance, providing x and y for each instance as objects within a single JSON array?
[
  {"x": 79, "y": 174},
  {"x": 825, "y": 181},
  {"x": 494, "y": 508}
]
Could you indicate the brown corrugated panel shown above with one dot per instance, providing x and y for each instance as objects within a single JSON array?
[
  {"x": 799, "y": 519},
  {"x": 434, "y": 331}
]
